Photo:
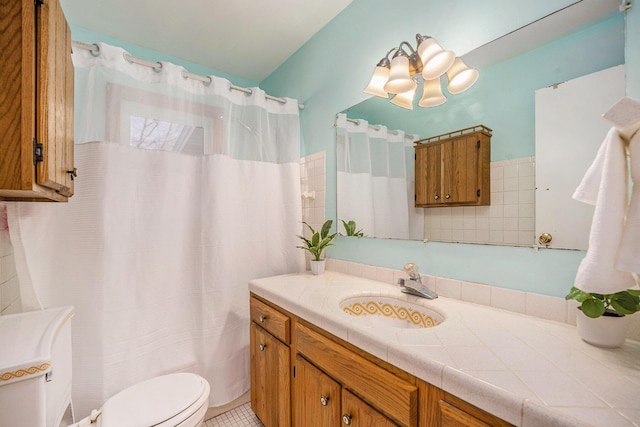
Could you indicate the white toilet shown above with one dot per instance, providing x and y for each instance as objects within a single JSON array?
[{"x": 35, "y": 382}]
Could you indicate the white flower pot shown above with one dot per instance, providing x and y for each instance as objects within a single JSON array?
[
  {"x": 317, "y": 267},
  {"x": 603, "y": 331}
]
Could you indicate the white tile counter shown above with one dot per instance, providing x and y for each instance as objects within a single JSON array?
[{"x": 525, "y": 370}]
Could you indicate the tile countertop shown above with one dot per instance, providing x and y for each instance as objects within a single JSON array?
[{"x": 525, "y": 370}]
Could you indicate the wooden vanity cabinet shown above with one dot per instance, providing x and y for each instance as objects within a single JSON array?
[
  {"x": 454, "y": 169},
  {"x": 270, "y": 364},
  {"x": 303, "y": 376},
  {"x": 36, "y": 102}
]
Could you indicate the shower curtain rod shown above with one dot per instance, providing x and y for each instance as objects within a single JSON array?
[
  {"x": 95, "y": 51},
  {"x": 374, "y": 127}
]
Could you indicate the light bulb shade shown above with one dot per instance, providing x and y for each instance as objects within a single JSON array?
[
  {"x": 435, "y": 60},
  {"x": 432, "y": 94},
  {"x": 378, "y": 80},
  {"x": 461, "y": 77},
  {"x": 399, "y": 79},
  {"x": 404, "y": 99}
]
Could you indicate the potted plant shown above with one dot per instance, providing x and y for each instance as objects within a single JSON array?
[
  {"x": 350, "y": 229},
  {"x": 316, "y": 245},
  {"x": 603, "y": 318}
]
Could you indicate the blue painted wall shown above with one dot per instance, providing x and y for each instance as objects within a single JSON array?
[{"x": 328, "y": 73}]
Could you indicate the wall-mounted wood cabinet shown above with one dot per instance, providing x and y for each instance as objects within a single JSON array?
[
  {"x": 36, "y": 102},
  {"x": 454, "y": 169}
]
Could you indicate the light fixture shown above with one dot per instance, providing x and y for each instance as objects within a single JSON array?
[{"x": 403, "y": 73}]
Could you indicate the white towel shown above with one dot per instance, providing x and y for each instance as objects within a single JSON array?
[
  {"x": 605, "y": 185},
  {"x": 629, "y": 253}
]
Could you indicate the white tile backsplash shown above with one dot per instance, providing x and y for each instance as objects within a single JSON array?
[
  {"x": 512, "y": 198},
  {"x": 542, "y": 306},
  {"x": 9, "y": 285}
]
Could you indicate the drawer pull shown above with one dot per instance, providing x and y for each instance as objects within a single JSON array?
[
  {"x": 324, "y": 400},
  {"x": 263, "y": 318},
  {"x": 346, "y": 419},
  {"x": 262, "y": 347}
]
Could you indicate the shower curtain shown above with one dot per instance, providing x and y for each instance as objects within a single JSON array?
[
  {"x": 376, "y": 179},
  {"x": 186, "y": 191}
]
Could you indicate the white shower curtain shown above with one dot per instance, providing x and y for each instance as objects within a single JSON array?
[
  {"x": 185, "y": 192},
  {"x": 375, "y": 179}
]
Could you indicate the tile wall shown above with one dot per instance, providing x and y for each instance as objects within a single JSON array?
[
  {"x": 9, "y": 285},
  {"x": 542, "y": 306},
  {"x": 312, "y": 186},
  {"x": 510, "y": 220}
]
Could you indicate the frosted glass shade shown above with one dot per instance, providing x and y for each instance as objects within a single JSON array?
[
  {"x": 432, "y": 94},
  {"x": 399, "y": 79},
  {"x": 435, "y": 60},
  {"x": 378, "y": 80},
  {"x": 404, "y": 99},
  {"x": 461, "y": 77}
]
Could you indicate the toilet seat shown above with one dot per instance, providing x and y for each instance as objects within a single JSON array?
[{"x": 179, "y": 399}]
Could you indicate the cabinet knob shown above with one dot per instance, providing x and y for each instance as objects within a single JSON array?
[
  {"x": 324, "y": 400},
  {"x": 263, "y": 318},
  {"x": 448, "y": 196},
  {"x": 262, "y": 347},
  {"x": 346, "y": 419},
  {"x": 436, "y": 197}
]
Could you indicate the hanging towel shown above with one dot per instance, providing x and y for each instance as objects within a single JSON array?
[
  {"x": 629, "y": 253},
  {"x": 605, "y": 186}
]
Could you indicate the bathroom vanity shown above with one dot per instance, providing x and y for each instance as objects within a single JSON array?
[{"x": 312, "y": 363}]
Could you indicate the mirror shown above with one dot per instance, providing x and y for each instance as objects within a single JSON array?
[{"x": 552, "y": 50}]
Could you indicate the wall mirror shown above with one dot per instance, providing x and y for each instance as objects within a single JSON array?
[{"x": 581, "y": 39}]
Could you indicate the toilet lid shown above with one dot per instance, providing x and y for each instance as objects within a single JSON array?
[{"x": 153, "y": 401}]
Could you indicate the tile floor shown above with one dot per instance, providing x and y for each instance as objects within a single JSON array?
[{"x": 242, "y": 416}]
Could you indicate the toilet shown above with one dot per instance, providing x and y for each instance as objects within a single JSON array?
[
  {"x": 35, "y": 382},
  {"x": 179, "y": 399}
]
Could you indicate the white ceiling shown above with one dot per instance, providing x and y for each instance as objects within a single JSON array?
[{"x": 244, "y": 38}]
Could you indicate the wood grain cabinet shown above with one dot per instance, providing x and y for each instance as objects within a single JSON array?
[
  {"x": 36, "y": 102},
  {"x": 303, "y": 376},
  {"x": 454, "y": 169},
  {"x": 270, "y": 365}
]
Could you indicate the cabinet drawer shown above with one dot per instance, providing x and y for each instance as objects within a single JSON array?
[
  {"x": 394, "y": 397},
  {"x": 272, "y": 320}
]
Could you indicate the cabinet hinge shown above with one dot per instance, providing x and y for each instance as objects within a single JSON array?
[
  {"x": 38, "y": 152},
  {"x": 478, "y": 192},
  {"x": 478, "y": 144}
]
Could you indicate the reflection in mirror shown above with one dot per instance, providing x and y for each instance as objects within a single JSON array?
[
  {"x": 581, "y": 39},
  {"x": 375, "y": 179}
]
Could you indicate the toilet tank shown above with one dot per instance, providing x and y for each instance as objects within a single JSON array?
[{"x": 35, "y": 367}]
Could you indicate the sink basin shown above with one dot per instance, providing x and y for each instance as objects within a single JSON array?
[{"x": 390, "y": 312}]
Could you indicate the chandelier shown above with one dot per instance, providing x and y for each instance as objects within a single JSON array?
[{"x": 401, "y": 75}]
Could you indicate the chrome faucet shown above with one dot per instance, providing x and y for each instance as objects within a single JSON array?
[{"x": 414, "y": 285}]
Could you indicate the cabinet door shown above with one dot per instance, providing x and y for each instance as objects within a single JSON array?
[
  {"x": 450, "y": 416},
  {"x": 270, "y": 385},
  {"x": 316, "y": 397},
  {"x": 428, "y": 172},
  {"x": 460, "y": 172},
  {"x": 54, "y": 109},
  {"x": 356, "y": 413}
]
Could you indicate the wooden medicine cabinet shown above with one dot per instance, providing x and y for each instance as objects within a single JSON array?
[
  {"x": 453, "y": 169},
  {"x": 36, "y": 112}
]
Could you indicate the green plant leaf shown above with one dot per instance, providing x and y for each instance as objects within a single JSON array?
[
  {"x": 577, "y": 295},
  {"x": 315, "y": 239},
  {"x": 624, "y": 302},
  {"x": 634, "y": 292},
  {"x": 325, "y": 228},
  {"x": 593, "y": 308}
]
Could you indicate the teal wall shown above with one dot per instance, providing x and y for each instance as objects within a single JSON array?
[
  {"x": 328, "y": 73},
  {"x": 632, "y": 53}
]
